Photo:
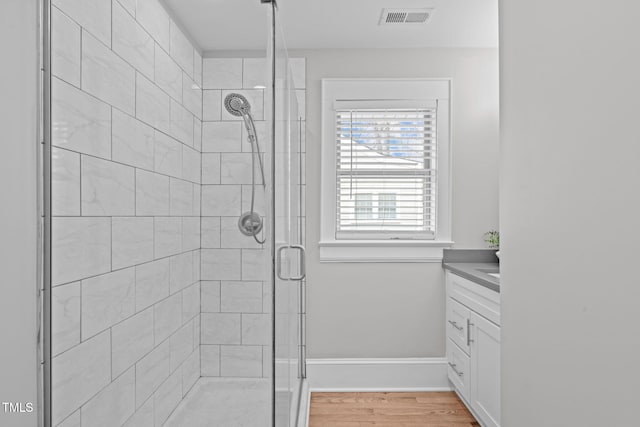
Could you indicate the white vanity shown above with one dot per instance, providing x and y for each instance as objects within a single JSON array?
[{"x": 473, "y": 341}]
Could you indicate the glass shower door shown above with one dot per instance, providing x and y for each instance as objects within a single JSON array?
[{"x": 288, "y": 249}]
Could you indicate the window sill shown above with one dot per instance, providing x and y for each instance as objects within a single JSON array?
[{"x": 382, "y": 250}]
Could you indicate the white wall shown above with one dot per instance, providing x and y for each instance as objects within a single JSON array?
[
  {"x": 570, "y": 210},
  {"x": 397, "y": 310},
  {"x": 18, "y": 215}
]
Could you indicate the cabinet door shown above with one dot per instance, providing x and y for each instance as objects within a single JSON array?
[{"x": 485, "y": 370}]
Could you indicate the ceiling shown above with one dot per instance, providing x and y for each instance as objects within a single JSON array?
[{"x": 313, "y": 24}]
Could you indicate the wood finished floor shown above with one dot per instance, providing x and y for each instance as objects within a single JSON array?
[{"x": 432, "y": 409}]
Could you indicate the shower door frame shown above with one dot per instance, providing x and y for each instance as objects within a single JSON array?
[{"x": 290, "y": 246}]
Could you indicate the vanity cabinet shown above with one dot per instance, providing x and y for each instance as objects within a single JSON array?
[{"x": 473, "y": 346}]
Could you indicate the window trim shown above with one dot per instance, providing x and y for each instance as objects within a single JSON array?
[{"x": 395, "y": 92}]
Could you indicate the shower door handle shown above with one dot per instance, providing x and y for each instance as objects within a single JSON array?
[{"x": 303, "y": 262}]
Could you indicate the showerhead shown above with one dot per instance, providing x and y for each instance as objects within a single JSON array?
[{"x": 237, "y": 104}]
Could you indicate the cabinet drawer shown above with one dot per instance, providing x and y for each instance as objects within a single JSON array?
[
  {"x": 458, "y": 368},
  {"x": 458, "y": 323},
  {"x": 478, "y": 298}
]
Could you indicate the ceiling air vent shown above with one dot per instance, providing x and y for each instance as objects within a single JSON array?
[{"x": 405, "y": 16}]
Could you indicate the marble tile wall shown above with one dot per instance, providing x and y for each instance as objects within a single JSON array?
[
  {"x": 126, "y": 175},
  {"x": 235, "y": 298}
]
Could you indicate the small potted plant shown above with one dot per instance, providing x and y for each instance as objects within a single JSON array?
[{"x": 492, "y": 238}]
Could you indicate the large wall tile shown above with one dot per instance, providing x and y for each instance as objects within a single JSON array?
[
  {"x": 132, "y": 141},
  {"x": 197, "y": 67},
  {"x": 152, "y": 193},
  {"x": 190, "y": 233},
  {"x": 190, "y": 371},
  {"x": 152, "y": 104},
  {"x": 211, "y": 233},
  {"x": 152, "y": 283},
  {"x": 132, "y": 241},
  {"x": 210, "y": 360},
  {"x": 168, "y": 317},
  {"x": 192, "y": 95},
  {"x": 241, "y": 297},
  {"x": 191, "y": 165},
  {"x": 211, "y": 168},
  {"x": 181, "y": 125},
  {"x": 235, "y": 168},
  {"x": 191, "y": 302},
  {"x": 143, "y": 416},
  {"x": 210, "y": 296},
  {"x": 221, "y": 137},
  {"x": 220, "y": 328},
  {"x": 167, "y": 397},
  {"x": 181, "y": 49},
  {"x": 132, "y": 42},
  {"x": 129, "y": 5},
  {"x": 196, "y": 332},
  {"x": 72, "y": 420},
  {"x": 131, "y": 340},
  {"x": 181, "y": 197},
  {"x": 151, "y": 371},
  {"x": 181, "y": 271},
  {"x": 65, "y": 182},
  {"x": 79, "y": 122},
  {"x": 221, "y": 200},
  {"x": 181, "y": 345},
  {"x": 106, "y": 75},
  {"x": 240, "y": 361},
  {"x": 168, "y": 155},
  {"x": 78, "y": 374},
  {"x": 65, "y": 317},
  {"x": 254, "y": 73},
  {"x": 155, "y": 20},
  {"x": 107, "y": 188},
  {"x": 253, "y": 264},
  {"x": 168, "y": 74},
  {"x": 81, "y": 247},
  {"x": 65, "y": 47},
  {"x": 256, "y": 329},
  {"x": 221, "y": 264},
  {"x": 107, "y": 300},
  {"x": 259, "y": 205},
  {"x": 222, "y": 73},
  {"x": 93, "y": 15},
  {"x": 113, "y": 405},
  {"x": 168, "y": 236},
  {"x": 211, "y": 105},
  {"x": 197, "y": 134}
]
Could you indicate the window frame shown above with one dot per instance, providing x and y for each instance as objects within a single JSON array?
[{"x": 385, "y": 93}]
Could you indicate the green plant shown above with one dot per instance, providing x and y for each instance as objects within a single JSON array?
[{"x": 493, "y": 239}]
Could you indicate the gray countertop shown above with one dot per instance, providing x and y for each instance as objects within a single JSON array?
[{"x": 474, "y": 272}]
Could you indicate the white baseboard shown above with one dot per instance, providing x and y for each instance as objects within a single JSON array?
[{"x": 407, "y": 374}]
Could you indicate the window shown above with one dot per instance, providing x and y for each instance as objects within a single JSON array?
[
  {"x": 387, "y": 156},
  {"x": 385, "y": 170}
]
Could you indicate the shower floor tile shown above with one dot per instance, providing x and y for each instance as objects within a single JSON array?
[{"x": 223, "y": 402}]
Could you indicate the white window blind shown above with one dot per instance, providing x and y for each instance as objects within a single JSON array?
[{"x": 385, "y": 173}]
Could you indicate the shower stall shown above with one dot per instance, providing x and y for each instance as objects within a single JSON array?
[{"x": 174, "y": 262}]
